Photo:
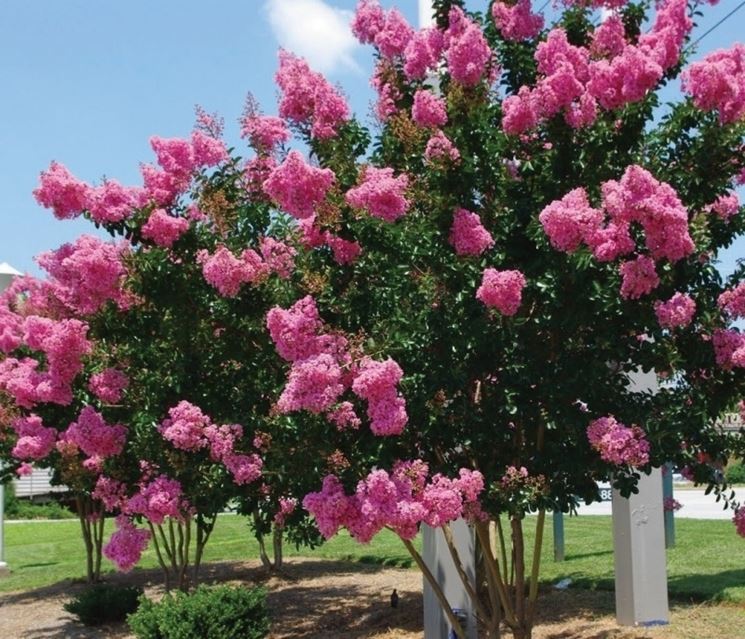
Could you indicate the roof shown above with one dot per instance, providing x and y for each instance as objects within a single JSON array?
[{"x": 7, "y": 269}]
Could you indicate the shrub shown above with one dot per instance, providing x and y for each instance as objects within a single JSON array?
[
  {"x": 24, "y": 509},
  {"x": 104, "y": 603},
  {"x": 735, "y": 473},
  {"x": 220, "y": 612}
]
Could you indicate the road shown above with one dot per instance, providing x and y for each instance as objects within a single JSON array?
[{"x": 696, "y": 505}]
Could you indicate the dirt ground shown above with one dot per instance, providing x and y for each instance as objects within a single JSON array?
[{"x": 314, "y": 599}]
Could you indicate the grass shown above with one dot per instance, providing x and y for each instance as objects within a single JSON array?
[{"x": 707, "y": 564}]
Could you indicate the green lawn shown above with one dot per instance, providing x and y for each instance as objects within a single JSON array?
[{"x": 708, "y": 562}]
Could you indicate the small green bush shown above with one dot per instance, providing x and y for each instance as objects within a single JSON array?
[
  {"x": 104, "y": 603},
  {"x": 219, "y": 612},
  {"x": 24, "y": 509},
  {"x": 735, "y": 473}
]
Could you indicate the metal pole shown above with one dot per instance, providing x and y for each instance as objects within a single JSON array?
[
  {"x": 558, "y": 519},
  {"x": 667, "y": 494}
]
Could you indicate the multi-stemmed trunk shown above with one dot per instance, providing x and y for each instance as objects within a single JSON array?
[
  {"x": 174, "y": 541},
  {"x": 268, "y": 562},
  {"x": 91, "y": 517},
  {"x": 505, "y": 592}
]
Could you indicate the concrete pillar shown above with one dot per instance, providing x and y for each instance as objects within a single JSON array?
[
  {"x": 7, "y": 273},
  {"x": 438, "y": 559},
  {"x": 639, "y": 553}
]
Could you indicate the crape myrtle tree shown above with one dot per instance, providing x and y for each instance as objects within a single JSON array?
[
  {"x": 529, "y": 228},
  {"x": 202, "y": 261},
  {"x": 60, "y": 394}
]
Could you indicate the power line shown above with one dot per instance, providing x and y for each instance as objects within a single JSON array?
[{"x": 727, "y": 17}]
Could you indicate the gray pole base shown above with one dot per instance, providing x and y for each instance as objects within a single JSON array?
[
  {"x": 639, "y": 545},
  {"x": 4, "y": 570},
  {"x": 437, "y": 557}
]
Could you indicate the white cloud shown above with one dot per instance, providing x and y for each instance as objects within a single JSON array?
[{"x": 316, "y": 31}]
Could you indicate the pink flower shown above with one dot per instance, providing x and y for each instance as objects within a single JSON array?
[
  {"x": 164, "y": 229},
  {"x": 519, "y": 112},
  {"x": 228, "y": 273},
  {"x": 108, "y": 385},
  {"x": 671, "y": 505},
  {"x": 185, "y": 428},
  {"x": 96, "y": 438},
  {"x": 35, "y": 441},
  {"x": 638, "y": 277},
  {"x": 570, "y": 221},
  {"x": 88, "y": 273},
  {"x": 295, "y": 331},
  {"x": 160, "y": 498},
  {"x": 726, "y": 206},
  {"x": 264, "y": 132},
  {"x": 718, "y": 83},
  {"x": 732, "y": 301},
  {"x": 428, "y": 110},
  {"x": 126, "y": 545},
  {"x": 468, "y": 53},
  {"x": 502, "y": 290},
  {"x": 380, "y": 194},
  {"x": 278, "y": 256},
  {"x": 440, "y": 148},
  {"x": 308, "y": 98},
  {"x": 369, "y": 20},
  {"x": 609, "y": 39},
  {"x": 24, "y": 470},
  {"x": 516, "y": 22},
  {"x": 298, "y": 187},
  {"x": 62, "y": 192},
  {"x": 111, "y": 493},
  {"x": 343, "y": 416},
  {"x": 729, "y": 348},
  {"x": 422, "y": 53},
  {"x": 244, "y": 468},
  {"x": 467, "y": 235},
  {"x": 618, "y": 444},
  {"x": 392, "y": 38},
  {"x": 344, "y": 251},
  {"x": 678, "y": 311},
  {"x": 287, "y": 506},
  {"x": 377, "y": 383},
  {"x": 314, "y": 385}
]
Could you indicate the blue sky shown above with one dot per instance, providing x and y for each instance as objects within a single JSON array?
[{"x": 87, "y": 83}]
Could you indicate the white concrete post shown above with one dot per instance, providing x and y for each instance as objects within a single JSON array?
[
  {"x": 639, "y": 549},
  {"x": 438, "y": 559},
  {"x": 7, "y": 273},
  {"x": 639, "y": 542}
]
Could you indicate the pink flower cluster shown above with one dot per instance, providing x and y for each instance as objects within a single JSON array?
[
  {"x": 87, "y": 273},
  {"x": 502, "y": 290},
  {"x": 638, "y": 277},
  {"x": 732, "y": 301},
  {"x": 423, "y": 53},
  {"x": 228, "y": 273},
  {"x": 718, "y": 83},
  {"x": 94, "y": 437},
  {"x": 308, "y": 98},
  {"x": 468, "y": 235},
  {"x": 108, "y": 385},
  {"x": 428, "y": 111},
  {"x": 297, "y": 187},
  {"x": 516, "y": 22},
  {"x": 618, "y": 444},
  {"x": 380, "y": 194},
  {"x": 400, "y": 500},
  {"x": 287, "y": 506},
  {"x": 441, "y": 149},
  {"x": 68, "y": 196},
  {"x": 164, "y": 229},
  {"x": 726, "y": 206},
  {"x": 671, "y": 505},
  {"x": 570, "y": 221},
  {"x": 185, "y": 428},
  {"x": 63, "y": 343},
  {"x": 676, "y": 312},
  {"x": 344, "y": 251},
  {"x": 35, "y": 441},
  {"x": 574, "y": 84},
  {"x": 264, "y": 132},
  {"x": 376, "y": 382},
  {"x": 729, "y": 348},
  {"x": 322, "y": 371},
  {"x": 466, "y": 50},
  {"x": 111, "y": 493},
  {"x": 126, "y": 545},
  {"x": 278, "y": 256},
  {"x": 388, "y": 31},
  {"x": 160, "y": 498}
]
